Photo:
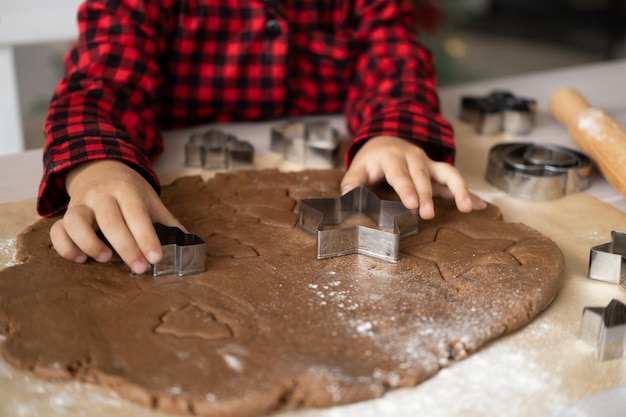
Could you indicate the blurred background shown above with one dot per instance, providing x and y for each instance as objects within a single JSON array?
[{"x": 471, "y": 39}]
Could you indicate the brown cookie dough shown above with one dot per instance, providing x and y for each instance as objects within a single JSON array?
[{"x": 268, "y": 327}]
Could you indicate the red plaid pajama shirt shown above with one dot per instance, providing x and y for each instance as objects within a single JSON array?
[{"x": 144, "y": 66}]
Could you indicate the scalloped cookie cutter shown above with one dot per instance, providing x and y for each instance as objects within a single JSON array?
[
  {"x": 314, "y": 144},
  {"x": 215, "y": 149},
  {"x": 183, "y": 253},
  {"x": 607, "y": 262},
  {"x": 605, "y": 328},
  {"x": 499, "y": 111},
  {"x": 316, "y": 213}
]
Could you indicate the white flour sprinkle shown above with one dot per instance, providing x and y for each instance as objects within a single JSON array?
[
  {"x": 23, "y": 395},
  {"x": 364, "y": 328},
  {"x": 175, "y": 390},
  {"x": 7, "y": 252},
  {"x": 233, "y": 362},
  {"x": 591, "y": 121}
]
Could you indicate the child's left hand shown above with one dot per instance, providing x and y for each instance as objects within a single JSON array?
[{"x": 412, "y": 174}]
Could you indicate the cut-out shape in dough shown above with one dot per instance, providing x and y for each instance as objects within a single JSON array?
[
  {"x": 221, "y": 245},
  {"x": 191, "y": 321},
  {"x": 455, "y": 253}
]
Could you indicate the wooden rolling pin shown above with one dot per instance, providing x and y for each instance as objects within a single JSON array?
[{"x": 595, "y": 132}]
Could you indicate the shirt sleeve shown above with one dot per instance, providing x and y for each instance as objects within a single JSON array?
[
  {"x": 393, "y": 91},
  {"x": 104, "y": 106}
]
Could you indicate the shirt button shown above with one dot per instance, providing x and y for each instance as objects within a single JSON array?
[{"x": 272, "y": 28}]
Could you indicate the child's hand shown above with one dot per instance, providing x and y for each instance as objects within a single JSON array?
[
  {"x": 110, "y": 196},
  {"x": 412, "y": 174}
]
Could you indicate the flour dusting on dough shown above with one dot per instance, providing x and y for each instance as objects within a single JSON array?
[
  {"x": 233, "y": 362},
  {"x": 503, "y": 369}
]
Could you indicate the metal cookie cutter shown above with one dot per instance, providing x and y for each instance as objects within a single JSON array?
[
  {"x": 605, "y": 328},
  {"x": 315, "y": 213},
  {"x": 537, "y": 171},
  {"x": 499, "y": 111},
  {"x": 183, "y": 253},
  {"x": 215, "y": 149},
  {"x": 314, "y": 143},
  {"x": 607, "y": 262}
]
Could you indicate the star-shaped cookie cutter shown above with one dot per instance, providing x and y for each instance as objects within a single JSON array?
[
  {"x": 312, "y": 143},
  {"x": 395, "y": 220},
  {"x": 215, "y": 149},
  {"x": 499, "y": 111},
  {"x": 605, "y": 328},
  {"x": 183, "y": 253},
  {"x": 607, "y": 262}
]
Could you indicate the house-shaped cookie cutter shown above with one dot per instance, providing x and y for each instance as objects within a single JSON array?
[
  {"x": 394, "y": 220},
  {"x": 499, "y": 111},
  {"x": 605, "y": 328},
  {"x": 314, "y": 144},
  {"x": 607, "y": 262},
  {"x": 183, "y": 253},
  {"x": 216, "y": 150}
]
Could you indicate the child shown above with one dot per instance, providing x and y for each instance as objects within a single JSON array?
[{"x": 142, "y": 66}]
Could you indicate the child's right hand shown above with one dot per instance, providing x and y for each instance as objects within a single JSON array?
[
  {"x": 411, "y": 172},
  {"x": 110, "y": 196}
]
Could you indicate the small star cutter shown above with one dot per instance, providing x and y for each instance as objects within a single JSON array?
[
  {"x": 499, "y": 111},
  {"x": 394, "y": 219},
  {"x": 607, "y": 262},
  {"x": 605, "y": 328},
  {"x": 183, "y": 253},
  {"x": 215, "y": 149}
]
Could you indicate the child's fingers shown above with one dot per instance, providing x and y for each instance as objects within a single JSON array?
[
  {"x": 113, "y": 226},
  {"x": 355, "y": 176},
  {"x": 450, "y": 179},
  {"x": 64, "y": 245},
  {"x": 78, "y": 223},
  {"x": 139, "y": 222}
]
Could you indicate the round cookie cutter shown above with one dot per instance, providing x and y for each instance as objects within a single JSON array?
[{"x": 537, "y": 171}]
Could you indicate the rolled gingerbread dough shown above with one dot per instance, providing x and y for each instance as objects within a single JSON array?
[{"x": 268, "y": 327}]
